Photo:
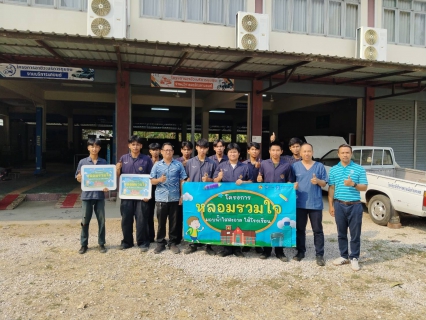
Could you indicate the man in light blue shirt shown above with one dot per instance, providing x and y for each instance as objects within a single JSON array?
[
  {"x": 346, "y": 181},
  {"x": 310, "y": 177},
  {"x": 168, "y": 175}
]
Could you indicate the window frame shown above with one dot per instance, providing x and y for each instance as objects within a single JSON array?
[
  {"x": 309, "y": 12},
  {"x": 412, "y": 13},
  {"x": 80, "y": 6},
  {"x": 56, "y": 5},
  {"x": 205, "y": 19}
]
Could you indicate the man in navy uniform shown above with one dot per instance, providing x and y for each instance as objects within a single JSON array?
[
  {"x": 134, "y": 163},
  {"x": 275, "y": 170}
]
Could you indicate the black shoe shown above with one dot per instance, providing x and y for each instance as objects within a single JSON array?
[
  {"x": 320, "y": 261},
  {"x": 210, "y": 250},
  {"x": 282, "y": 257},
  {"x": 124, "y": 246},
  {"x": 238, "y": 253},
  {"x": 190, "y": 249},
  {"x": 246, "y": 249},
  {"x": 258, "y": 249},
  {"x": 82, "y": 250},
  {"x": 102, "y": 248},
  {"x": 144, "y": 249},
  {"x": 174, "y": 248},
  {"x": 160, "y": 247},
  {"x": 225, "y": 252},
  {"x": 299, "y": 256},
  {"x": 264, "y": 255}
]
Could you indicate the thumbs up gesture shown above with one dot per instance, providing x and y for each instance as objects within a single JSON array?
[
  {"x": 314, "y": 179},
  {"x": 259, "y": 177},
  {"x": 257, "y": 165},
  {"x": 348, "y": 182},
  {"x": 272, "y": 137},
  {"x": 220, "y": 175},
  {"x": 162, "y": 178},
  {"x": 205, "y": 177}
]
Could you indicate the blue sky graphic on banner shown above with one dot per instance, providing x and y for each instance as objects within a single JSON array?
[{"x": 254, "y": 214}]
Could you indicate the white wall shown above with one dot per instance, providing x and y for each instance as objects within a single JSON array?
[
  {"x": 42, "y": 19},
  {"x": 75, "y": 22}
]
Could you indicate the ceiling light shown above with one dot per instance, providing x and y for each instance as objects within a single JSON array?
[
  {"x": 173, "y": 90},
  {"x": 217, "y": 111},
  {"x": 160, "y": 109},
  {"x": 263, "y": 95}
]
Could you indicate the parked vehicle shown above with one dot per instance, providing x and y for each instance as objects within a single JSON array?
[{"x": 391, "y": 189}]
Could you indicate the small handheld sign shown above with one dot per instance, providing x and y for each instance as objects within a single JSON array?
[
  {"x": 97, "y": 178},
  {"x": 135, "y": 186}
]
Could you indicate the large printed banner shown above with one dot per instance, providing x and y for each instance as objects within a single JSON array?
[
  {"x": 187, "y": 82},
  {"x": 253, "y": 214},
  {"x": 45, "y": 72}
]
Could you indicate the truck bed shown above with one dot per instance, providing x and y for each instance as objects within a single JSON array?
[{"x": 416, "y": 176}]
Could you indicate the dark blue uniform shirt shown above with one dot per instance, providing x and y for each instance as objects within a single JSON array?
[
  {"x": 141, "y": 165},
  {"x": 281, "y": 173},
  {"x": 195, "y": 169},
  {"x": 230, "y": 174}
]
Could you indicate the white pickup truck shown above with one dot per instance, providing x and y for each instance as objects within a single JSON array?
[{"x": 391, "y": 189}]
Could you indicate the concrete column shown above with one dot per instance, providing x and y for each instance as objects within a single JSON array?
[
  {"x": 40, "y": 142},
  {"x": 256, "y": 112},
  {"x": 359, "y": 121},
  {"x": 258, "y": 5},
  {"x": 5, "y": 128},
  {"x": 234, "y": 131},
  {"x": 184, "y": 129},
  {"x": 369, "y": 117},
  {"x": 123, "y": 112},
  {"x": 205, "y": 125},
  {"x": 273, "y": 122},
  {"x": 70, "y": 140}
]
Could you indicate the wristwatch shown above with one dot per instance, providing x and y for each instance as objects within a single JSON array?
[{"x": 355, "y": 184}]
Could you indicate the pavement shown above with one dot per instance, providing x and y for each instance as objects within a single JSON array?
[{"x": 57, "y": 184}]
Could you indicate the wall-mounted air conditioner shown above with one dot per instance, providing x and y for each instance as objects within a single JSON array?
[
  {"x": 106, "y": 18},
  {"x": 371, "y": 43},
  {"x": 252, "y": 31}
]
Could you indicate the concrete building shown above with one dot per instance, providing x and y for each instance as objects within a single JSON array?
[{"x": 309, "y": 81}]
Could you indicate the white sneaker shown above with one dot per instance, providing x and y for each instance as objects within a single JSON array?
[
  {"x": 340, "y": 261},
  {"x": 355, "y": 265}
]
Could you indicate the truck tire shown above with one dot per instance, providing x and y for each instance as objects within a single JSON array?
[{"x": 380, "y": 209}]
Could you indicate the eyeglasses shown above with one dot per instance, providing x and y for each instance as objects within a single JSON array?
[{"x": 167, "y": 150}]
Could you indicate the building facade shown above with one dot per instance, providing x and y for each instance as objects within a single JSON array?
[{"x": 296, "y": 108}]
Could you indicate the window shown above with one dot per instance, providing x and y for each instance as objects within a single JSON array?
[
  {"x": 17, "y": 1},
  {"x": 405, "y": 21},
  {"x": 367, "y": 157},
  {"x": 337, "y": 18},
  {"x": 80, "y": 5},
  {"x": 387, "y": 157},
  {"x": 356, "y": 155},
  {"x": 49, "y": 3},
  {"x": 220, "y": 12}
]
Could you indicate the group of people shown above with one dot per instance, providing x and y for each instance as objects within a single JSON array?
[{"x": 167, "y": 175}]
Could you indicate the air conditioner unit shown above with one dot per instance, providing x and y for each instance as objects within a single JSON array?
[
  {"x": 252, "y": 31},
  {"x": 371, "y": 43},
  {"x": 106, "y": 18}
]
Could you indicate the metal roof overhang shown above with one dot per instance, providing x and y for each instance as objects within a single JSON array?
[{"x": 40, "y": 48}]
